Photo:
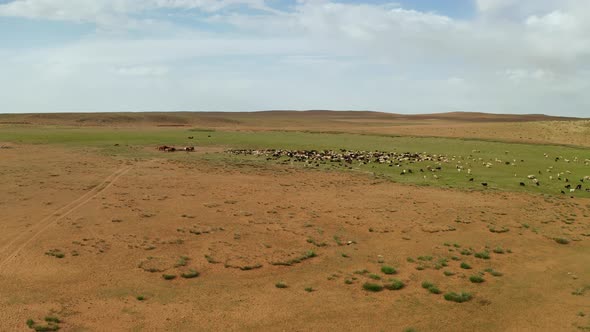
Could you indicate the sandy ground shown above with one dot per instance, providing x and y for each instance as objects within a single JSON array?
[{"x": 116, "y": 220}]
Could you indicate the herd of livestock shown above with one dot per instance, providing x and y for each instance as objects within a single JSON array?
[
  {"x": 344, "y": 156},
  {"x": 349, "y": 158}
]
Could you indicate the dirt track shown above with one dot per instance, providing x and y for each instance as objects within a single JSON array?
[{"x": 109, "y": 220}]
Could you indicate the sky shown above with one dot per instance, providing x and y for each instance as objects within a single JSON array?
[{"x": 408, "y": 56}]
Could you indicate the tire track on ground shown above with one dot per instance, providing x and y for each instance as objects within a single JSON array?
[
  {"x": 61, "y": 213},
  {"x": 57, "y": 212}
]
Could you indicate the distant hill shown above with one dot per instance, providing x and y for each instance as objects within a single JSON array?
[{"x": 222, "y": 119}]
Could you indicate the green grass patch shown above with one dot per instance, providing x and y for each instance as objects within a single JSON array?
[
  {"x": 529, "y": 158},
  {"x": 476, "y": 279},
  {"x": 561, "y": 240},
  {"x": 458, "y": 297},
  {"x": 372, "y": 287},
  {"x": 465, "y": 266},
  {"x": 482, "y": 255},
  {"x": 395, "y": 284},
  {"x": 190, "y": 274},
  {"x": 388, "y": 269},
  {"x": 430, "y": 287}
]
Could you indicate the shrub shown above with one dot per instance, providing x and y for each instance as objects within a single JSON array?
[
  {"x": 482, "y": 255},
  {"x": 477, "y": 279},
  {"x": 168, "y": 276},
  {"x": 395, "y": 285},
  {"x": 374, "y": 276},
  {"x": 465, "y": 266},
  {"x": 281, "y": 284},
  {"x": 431, "y": 287},
  {"x": 448, "y": 273},
  {"x": 182, "y": 261},
  {"x": 308, "y": 289},
  {"x": 499, "y": 250},
  {"x": 561, "y": 240},
  {"x": 427, "y": 284},
  {"x": 140, "y": 298},
  {"x": 190, "y": 274},
  {"x": 371, "y": 287},
  {"x": 459, "y": 298},
  {"x": 388, "y": 269}
]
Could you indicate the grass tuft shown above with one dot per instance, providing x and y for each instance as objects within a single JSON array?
[
  {"x": 388, "y": 269},
  {"x": 465, "y": 266},
  {"x": 459, "y": 298},
  {"x": 395, "y": 284},
  {"x": 371, "y": 287},
  {"x": 477, "y": 279},
  {"x": 190, "y": 274}
]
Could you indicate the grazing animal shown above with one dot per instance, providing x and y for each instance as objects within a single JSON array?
[
  {"x": 522, "y": 184},
  {"x": 572, "y": 190},
  {"x": 471, "y": 180},
  {"x": 190, "y": 137},
  {"x": 485, "y": 184},
  {"x": 568, "y": 186},
  {"x": 189, "y": 148},
  {"x": 579, "y": 187},
  {"x": 563, "y": 192}
]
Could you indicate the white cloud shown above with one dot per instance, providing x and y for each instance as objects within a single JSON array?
[
  {"x": 110, "y": 12},
  {"x": 513, "y": 56}
]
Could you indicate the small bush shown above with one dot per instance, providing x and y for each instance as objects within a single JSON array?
[
  {"x": 465, "y": 266},
  {"x": 395, "y": 285},
  {"x": 374, "y": 276},
  {"x": 182, "y": 261},
  {"x": 140, "y": 298},
  {"x": 499, "y": 250},
  {"x": 482, "y": 255},
  {"x": 168, "y": 276},
  {"x": 30, "y": 323},
  {"x": 309, "y": 289},
  {"x": 431, "y": 287},
  {"x": 52, "y": 319},
  {"x": 477, "y": 279},
  {"x": 448, "y": 273},
  {"x": 561, "y": 240},
  {"x": 371, "y": 287},
  {"x": 388, "y": 269},
  {"x": 190, "y": 274},
  {"x": 427, "y": 284},
  {"x": 459, "y": 298},
  {"x": 281, "y": 284}
]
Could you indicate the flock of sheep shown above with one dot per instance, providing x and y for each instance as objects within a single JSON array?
[{"x": 343, "y": 157}]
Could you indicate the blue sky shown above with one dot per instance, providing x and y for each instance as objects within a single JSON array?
[{"x": 407, "y": 56}]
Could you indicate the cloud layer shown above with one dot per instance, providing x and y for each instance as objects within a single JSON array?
[{"x": 509, "y": 56}]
